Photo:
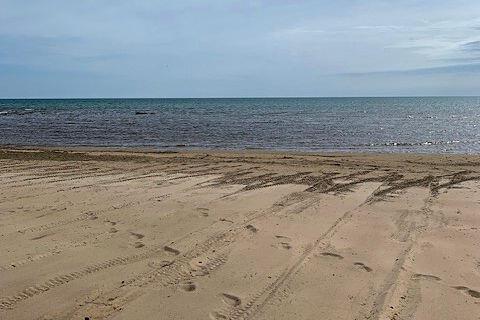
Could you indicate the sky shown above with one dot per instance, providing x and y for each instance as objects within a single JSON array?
[{"x": 238, "y": 48}]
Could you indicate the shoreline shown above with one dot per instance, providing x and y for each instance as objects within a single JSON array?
[{"x": 215, "y": 151}]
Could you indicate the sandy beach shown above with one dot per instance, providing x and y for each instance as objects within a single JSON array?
[{"x": 238, "y": 235}]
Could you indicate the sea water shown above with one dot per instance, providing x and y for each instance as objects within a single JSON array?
[{"x": 407, "y": 124}]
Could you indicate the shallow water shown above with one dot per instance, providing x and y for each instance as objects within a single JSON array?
[{"x": 424, "y": 125}]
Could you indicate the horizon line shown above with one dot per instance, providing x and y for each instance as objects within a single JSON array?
[{"x": 238, "y": 97}]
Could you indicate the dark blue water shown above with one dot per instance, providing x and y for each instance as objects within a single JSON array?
[{"x": 426, "y": 125}]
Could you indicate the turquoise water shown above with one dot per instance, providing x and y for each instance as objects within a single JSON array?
[{"x": 426, "y": 125}]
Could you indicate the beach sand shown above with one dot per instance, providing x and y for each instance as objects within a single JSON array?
[{"x": 238, "y": 235}]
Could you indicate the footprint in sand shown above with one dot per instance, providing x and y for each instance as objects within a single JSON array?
[
  {"x": 110, "y": 223},
  {"x": 162, "y": 197},
  {"x": 138, "y": 244},
  {"x": 331, "y": 254},
  {"x": 136, "y": 236},
  {"x": 187, "y": 286},
  {"x": 158, "y": 264},
  {"x": 419, "y": 276},
  {"x": 171, "y": 250},
  {"x": 472, "y": 293},
  {"x": 231, "y": 299},
  {"x": 285, "y": 245},
  {"x": 92, "y": 216},
  {"x": 113, "y": 230},
  {"x": 214, "y": 315},
  {"x": 42, "y": 236},
  {"x": 203, "y": 211},
  {"x": 363, "y": 266},
  {"x": 251, "y": 228}
]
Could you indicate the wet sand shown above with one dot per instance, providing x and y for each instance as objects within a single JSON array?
[{"x": 229, "y": 235}]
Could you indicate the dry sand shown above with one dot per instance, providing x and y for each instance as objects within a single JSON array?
[{"x": 218, "y": 235}]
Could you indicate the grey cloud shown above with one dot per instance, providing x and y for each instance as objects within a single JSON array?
[
  {"x": 473, "y": 46},
  {"x": 450, "y": 69}
]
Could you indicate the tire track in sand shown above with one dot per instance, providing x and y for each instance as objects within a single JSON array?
[
  {"x": 185, "y": 267},
  {"x": 258, "y": 301},
  {"x": 9, "y": 302}
]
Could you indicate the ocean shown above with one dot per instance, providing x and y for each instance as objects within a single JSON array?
[{"x": 416, "y": 124}]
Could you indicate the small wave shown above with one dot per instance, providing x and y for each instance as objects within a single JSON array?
[
  {"x": 16, "y": 112},
  {"x": 408, "y": 144},
  {"x": 143, "y": 112}
]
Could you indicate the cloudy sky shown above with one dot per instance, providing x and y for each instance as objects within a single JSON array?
[{"x": 223, "y": 48}]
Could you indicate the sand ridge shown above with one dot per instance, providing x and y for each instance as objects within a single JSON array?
[{"x": 135, "y": 234}]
